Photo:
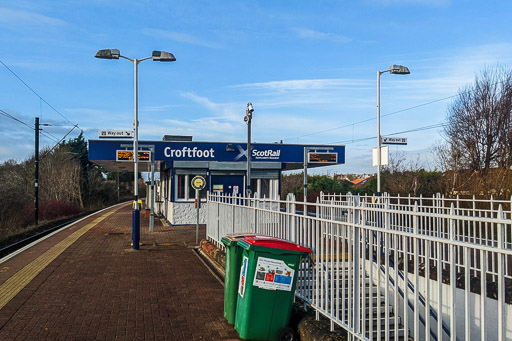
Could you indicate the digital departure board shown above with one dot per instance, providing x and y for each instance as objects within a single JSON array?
[
  {"x": 126, "y": 155},
  {"x": 323, "y": 157}
]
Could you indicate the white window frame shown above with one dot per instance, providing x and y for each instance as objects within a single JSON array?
[
  {"x": 176, "y": 180},
  {"x": 273, "y": 188},
  {"x": 189, "y": 197}
]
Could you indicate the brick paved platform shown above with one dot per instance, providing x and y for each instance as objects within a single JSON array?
[{"x": 100, "y": 289}]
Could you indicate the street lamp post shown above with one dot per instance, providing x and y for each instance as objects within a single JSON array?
[
  {"x": 248, "y": 119},
  {"x": 397, "y": 70},
  {"x": 160, "y": 56}
]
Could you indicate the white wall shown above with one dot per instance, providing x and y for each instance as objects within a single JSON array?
[
  {"x": 491, "y": 309},
  {"x": 184, "y": 213}
]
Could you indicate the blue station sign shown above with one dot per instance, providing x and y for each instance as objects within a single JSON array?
[{"x": 105, "y": 150}]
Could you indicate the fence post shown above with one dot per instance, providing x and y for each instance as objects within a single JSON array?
[
  {"x": 453, "y": 271},
  {"x": 320, "y": 212},
  {"x": 292, "y": 217},
  {"x": 217, "y": 202},
  {"x": 233, "y": 203},
  {"x": 501, "y": 272},
  {"x": 356, "y": 241},
  {"x": 255, "y": 206},
  {"x": 416, "y": 269}
]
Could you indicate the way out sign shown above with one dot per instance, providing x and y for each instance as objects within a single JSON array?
[{"x": 394, "y": 140}]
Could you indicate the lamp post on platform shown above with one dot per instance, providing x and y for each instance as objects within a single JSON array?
[
  {"x": 397, "y": 70},
  {"x": 159, "y": 56},
  {"x": 248, "y": 119}
]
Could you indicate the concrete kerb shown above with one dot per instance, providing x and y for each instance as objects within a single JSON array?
[{"x": 304, "y": 323}]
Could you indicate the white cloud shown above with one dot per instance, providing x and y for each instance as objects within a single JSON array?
[
  {"x": 308, "y": 84},
  {"x": 202, "y": 129},
  {"x": 157, "y": 108},
  {"x": 307, "y": 33},
  {"x": 17, "y": 17},
  {"x": 179, "y": 37},
  {"x": 201, "y": 100},
  {"x": 221, "y": 111}
]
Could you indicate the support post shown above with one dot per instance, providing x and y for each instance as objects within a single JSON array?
[
  {"x": 249, "y": 190},
  {"x": 305, "y": 180},
  {"x": 378, "y": 133},
  {"x": 36, "y": 174},
  {"x": 136, "y": 208},
  {"x": 198, "y": 204},
  {"x": 152, "y": 215}
]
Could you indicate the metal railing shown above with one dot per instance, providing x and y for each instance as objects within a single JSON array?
[{"x": 390, "y": 267}]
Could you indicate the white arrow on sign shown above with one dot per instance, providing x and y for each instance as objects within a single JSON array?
[{"x": 394, "y": 140}]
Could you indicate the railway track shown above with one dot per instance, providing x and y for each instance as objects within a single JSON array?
[{"x": 9, "y": 247}]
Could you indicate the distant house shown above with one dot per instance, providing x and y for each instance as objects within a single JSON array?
[
  {"x": 351, "y": 177},
  {"x": 359, "y": 181}
]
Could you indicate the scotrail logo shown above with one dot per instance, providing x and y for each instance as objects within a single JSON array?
[{"x": 256, "y": 154}]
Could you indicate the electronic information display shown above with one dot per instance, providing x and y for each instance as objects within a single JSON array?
[
  {"x": 126, "y": 155},
  {"x": 323, "y": 157}
]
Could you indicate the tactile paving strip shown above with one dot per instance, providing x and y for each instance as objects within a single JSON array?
[{"x": 11, "y": 287}]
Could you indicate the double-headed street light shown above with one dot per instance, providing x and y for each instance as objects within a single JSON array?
[
  {"x": 397, "y": 70},
  {"x": 248, "y": 119},
  {"x": 158, "y": 56}
]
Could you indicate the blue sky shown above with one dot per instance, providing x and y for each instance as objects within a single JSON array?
[{"x": 307, "y": 67}]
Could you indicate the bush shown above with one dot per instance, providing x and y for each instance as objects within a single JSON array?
[{"x": 54, "y": 209}]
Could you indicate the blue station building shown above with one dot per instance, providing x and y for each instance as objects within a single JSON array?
[{"x": 223, "y": 164}]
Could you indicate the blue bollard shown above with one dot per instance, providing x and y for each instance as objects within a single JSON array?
[{"x": 136, "y": 228}]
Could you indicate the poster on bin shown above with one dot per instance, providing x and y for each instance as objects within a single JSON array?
[
  {"x": 243, "y": 277},
  {"x": 273, "y": 274}
]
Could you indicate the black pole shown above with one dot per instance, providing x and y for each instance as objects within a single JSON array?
[
  {"x": 36, "y": 202},
  {"x": 118, "y": 187}
]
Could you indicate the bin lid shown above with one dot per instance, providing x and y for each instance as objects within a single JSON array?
[
  {"x": 233, "y": 238},
  {"x": 255, "y": 242}
]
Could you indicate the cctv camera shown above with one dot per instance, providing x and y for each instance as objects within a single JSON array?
[{"x": 249, "y": 107}]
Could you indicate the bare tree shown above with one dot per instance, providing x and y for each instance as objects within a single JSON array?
[
  {"x": 60, "y": 176},
  {"x": 478, "y": 133},
  {"x": 403, "y": 176}
]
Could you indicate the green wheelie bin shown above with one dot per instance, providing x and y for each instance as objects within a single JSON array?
[
  {"x": 268, "y": 277},
  {"x": 233, "y": 263}
]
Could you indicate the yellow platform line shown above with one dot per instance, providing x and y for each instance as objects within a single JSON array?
[{"x": 10, "y": 288}]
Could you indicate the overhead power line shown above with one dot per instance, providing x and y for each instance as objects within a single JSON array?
[
  {"x": 62, "y": 139},
  {"x": 389, "y": 114},
  {"x": 433, "y": 126},
  {"x": 31, "y": 127},
  {"x": 6, "y": 114},
  {"x": 39, "y": 96},
  {"x": 373, "y": 118}
]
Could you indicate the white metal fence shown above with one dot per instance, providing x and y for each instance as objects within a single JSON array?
[{"x": 391, "y": 267}]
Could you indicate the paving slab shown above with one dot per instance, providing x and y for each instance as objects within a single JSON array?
[{"x": 98, "y": 288}]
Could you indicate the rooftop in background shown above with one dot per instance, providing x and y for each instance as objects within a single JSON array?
[{"x": 176, "y": 138}]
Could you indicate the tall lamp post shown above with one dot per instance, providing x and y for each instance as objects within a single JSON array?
[
  {"x": 248, "y": 119},
  {"x": 397, "y": 70},
  {"x": 158, "y": 56}
]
